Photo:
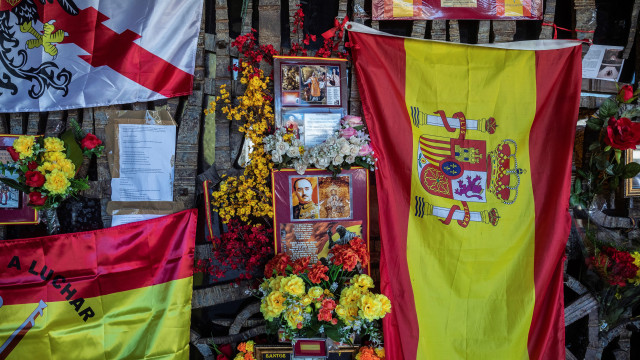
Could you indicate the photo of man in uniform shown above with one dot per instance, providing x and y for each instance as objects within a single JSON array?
[{"x": 303, "y": 194}]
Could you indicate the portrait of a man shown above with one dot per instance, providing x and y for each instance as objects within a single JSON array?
[{"x": 304, "y": 199}]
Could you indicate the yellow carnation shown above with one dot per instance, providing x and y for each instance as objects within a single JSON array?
[
  {"x": 370, "y": 307},
  {"x": 54, "y": 156},
  {"x": 341, "y": 311},
  {"x": 292, "y": 285},
  {"x": 272, "y": 305},
  {"x": 46, "y": 166},
  {"x": 386, "y": 304},
  {"x": 249, "y": 346},
  {"x": 57, "y": 182},
  {"x": 380, "y": 352},
  {"x": 294, "y": 316},
  {"x": 350, "y": 295},
  {"x": 53, "y": 144},
  {"x": 24, "y": 146},
  {"x": 315, "y": 292},
  {"x": 306, "y": 300},
  {"x": 275, "y": 283},
  {"x": 364, "y": 281}
]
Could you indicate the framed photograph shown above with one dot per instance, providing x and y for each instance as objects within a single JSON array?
[
  {"x": 316, "y": 211},
  {"x": 13, "y": 203},
  {"x": 309, "y": 85},
  {"x": 280, "y": 352},
  {"x": 632, "y": 186}
]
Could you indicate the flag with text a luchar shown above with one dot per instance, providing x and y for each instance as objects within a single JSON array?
[
  {"x": 69, "y": 54},
  {"x": 116, "y": 293},
  {"x": 474, "y": 146}
]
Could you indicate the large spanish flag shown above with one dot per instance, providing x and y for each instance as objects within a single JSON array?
[
  {"x": 474, "y": 146},
  {"x": 117, "y": 293}
]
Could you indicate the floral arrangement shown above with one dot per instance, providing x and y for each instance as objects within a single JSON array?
[
  {"x": 369, "y": 353},
  {"x": 245, "y": 351},
  {"x": 616, "y": 133},
  {"x": 47, "y": 166},
  {"x": 243, "y": 247},
  {"x": 346, "y": 147},
  {"x": 248, "y": 196},
  {"x": 329, "y": 297}
]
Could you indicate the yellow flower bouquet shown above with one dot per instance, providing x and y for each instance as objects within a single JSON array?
[{"x": 47, "y": 167}]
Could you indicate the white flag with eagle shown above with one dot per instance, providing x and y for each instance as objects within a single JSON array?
[{"x": 66, "y": 54}]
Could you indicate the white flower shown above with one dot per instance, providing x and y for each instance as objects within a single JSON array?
[
  {"x": 322, "y": 162},
  {"x": 354, "y": 150},
  {"x": 282, "y": 147},
  {"x": 338, "y": 160},
  {"x": 342, "y": 142},
  {"x": 300, "y": 167},
  {"x": 350, "y": 159},
  {"x": 293, "y": 152},
  {"x": 331, "y": 140},
  {"x": 276, "y": 157},
  {"x": 345, "y": 150}
]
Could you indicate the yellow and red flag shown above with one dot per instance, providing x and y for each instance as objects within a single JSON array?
[
  {"x": 474, "y": 146},
  {"x": 117, "y": 293}
]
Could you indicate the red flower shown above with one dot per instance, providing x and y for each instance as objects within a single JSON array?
[
  {"x": 625, "y": 94},
  {"x": 318, "y": 273},
  {"x": 328, "y": 304},
  {"x": 36, "y": 198},
  {"x": 359, "y": 247},
  {"x": 278, "y": 264},
  {"x": 90, "y": 141},
  {"x": 622, "y": 133},
  {"x": 346, "y": 257},
  {"x": 221, "y": 357},
  {"x": 301, "y": 265},
  {"x": 325, "y": 315},
  {"x": 14, "y": 154},
  {"x": 32, "y": 165},
  {"x": 34, "y": 178}
]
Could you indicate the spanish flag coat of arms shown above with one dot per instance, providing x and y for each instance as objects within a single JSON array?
[{"x": 474, "y": 146}]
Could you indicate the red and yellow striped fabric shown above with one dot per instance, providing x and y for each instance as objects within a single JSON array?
[
  {"x": 474, "y": 146},
  {"x": 117, "y": 293}
]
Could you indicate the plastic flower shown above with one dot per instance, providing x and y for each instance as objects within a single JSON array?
[
  {"x": 318, "y": 273},
  {"x": 272, "y": 305},
  {"x": 315, "y": 292},
  {"x": 292, "y": 285},
  {"x": 57, "y": 182},
  {"x": 54, "y": 156},
  {"x": 364, "y": 281},
  {"x": 370, "y": 307},
  {"x": 24, "y": 146},
  {"x": 53, "y": 144}
]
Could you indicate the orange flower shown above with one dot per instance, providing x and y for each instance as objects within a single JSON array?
[{"x": 318, "y": 273}]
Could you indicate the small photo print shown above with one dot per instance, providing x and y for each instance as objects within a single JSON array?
[
  {"x": 9, "y": 197},
  {"x": 335, "y": 197},
  {"x": 612, "y": 57},
  {"x": 611, "y": 65},
  {"x": 316, "y": 239},
  {"x": 304, "y": 198},
  {"x": 314, "y": 84},
  {"x": 294, "y": 123},
  {"x": 609, "y": 72},
  {"x": 290, "y": 77},
  {"x": 333, "y": 77},
  {"x": 290, "y": 98}
]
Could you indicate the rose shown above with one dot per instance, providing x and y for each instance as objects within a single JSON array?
[
  {"x": 365, "y": 150},
  {"x": 32, "y": 165},
  {"x": 14, "y": 154},
  {"x": 34, "y": 178},
  {"x": 625, "y": 94},
  {"x": 353, "y": 121},
  {"x": 36, "y": 198},
  {"x": 348, "y": 132},
  {"x": 622, "y": 134},
  {"x": 90, "y": 141}
]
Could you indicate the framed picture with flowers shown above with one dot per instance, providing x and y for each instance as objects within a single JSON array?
[
  {"x": 317, "y": 210},
  {"x": 632, "y": 185},
  {"x": 13, "y": 203}
]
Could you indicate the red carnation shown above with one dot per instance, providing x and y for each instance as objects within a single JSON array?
[
  {"x": 622, "y": 133},
  {"x": 14, "y": 154},
  {"x": 625, "y": 94},
  {"x": 36, "y": 198},
  {"x": 300, "y": 265},
  {"x": 359, "y": 247},
  {"x": 278, "y": 264},
  {"x": 90, "y": 141},
  {"x": 347, "y": 258},
  {"x": 32, "y": 165},
  {"x": 34, "y": 178},
  {"x": 328, "y": 304},
  {"x": 318, "y": 273}
]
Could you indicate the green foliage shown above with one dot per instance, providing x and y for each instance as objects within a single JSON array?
[{"x": 74, "y": 153}]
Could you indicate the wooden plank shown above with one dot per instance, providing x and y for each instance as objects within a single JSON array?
[
  {"x": 359, "y": 14},
  {"x": 484, "y": 31},
  {"x": 3, "y": 124},
  {"x": 296, "y": 36},
  {"x": 454, "y": 31},
  {"x": 269, "y": 28},
  {"x": 439, "y": 30},
  {"x": 549, "y": 18},
  {"x": 246, "y": 19},
  {"x": 15, "y": 124},
  {"x": 33, "y": 122},
  {"x": 87, "y": 121},
  {"x": 419, "y": 29},
  {"x": 503, "y": 31},
  {"x": 222, "y": 77},
  {"x": 55, "y": 123},
  {"x": 632, "y": 30}
]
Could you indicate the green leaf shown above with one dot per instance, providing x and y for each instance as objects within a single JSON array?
[
  {"x": 618, "y": 155},
  {"x": 78, "y": 133},
  {"x": 631, "y": 113},
  {"x": 595, "y": 146},
  {"x": 74, "y": 153},
  {"x": 631, "y": 170},
  {"x": 578, "y": 186},
  {"x": 15, "y": 185},
  {"x": 609, "y": 170},
  {"x": 595, "y": 123},
  {"x": 615, "y": 182},
  {"x": 608, "y": 109},
  {"x": 607, "y": 148}
]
